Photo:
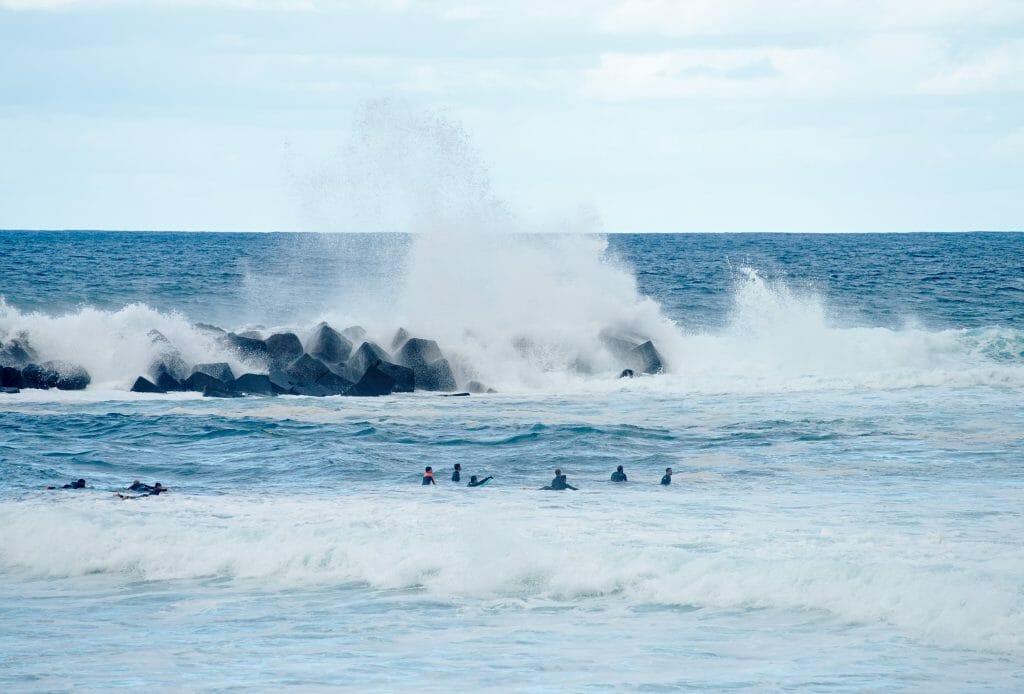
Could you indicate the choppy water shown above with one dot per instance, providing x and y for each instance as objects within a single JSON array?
[{"x": 843, "y": 415}]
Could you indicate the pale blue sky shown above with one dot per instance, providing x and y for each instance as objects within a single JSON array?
[{"x": 647, "y": 115}]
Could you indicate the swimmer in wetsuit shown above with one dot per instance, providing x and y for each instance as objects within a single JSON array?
[
  {"x": 560, "y": 483},
  {"x": 77, "y": 484},
  {"x": 428, "y": 476},
  {"x": 474, "y": 483},
  {"x": 156, "y": 490},
  {"x": 457, "y": 472},
  {"x": 667, "y": 478},
  {"x": 619, "y": 475}
]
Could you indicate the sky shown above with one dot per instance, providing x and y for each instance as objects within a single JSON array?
[{"x": 596, "y": 115}]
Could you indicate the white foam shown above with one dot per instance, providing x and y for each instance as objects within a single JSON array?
[{"x": 506, "y": 544}]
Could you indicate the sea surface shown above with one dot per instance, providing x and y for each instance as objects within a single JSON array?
[{"x": 844, "y": 416}]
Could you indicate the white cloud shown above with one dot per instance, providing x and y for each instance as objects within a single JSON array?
[
  {"x": 723, "y": 17},
  {"x": 879, "y": 65}
]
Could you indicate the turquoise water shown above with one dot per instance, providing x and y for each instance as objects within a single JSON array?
[{"x": 843, "y": 416}]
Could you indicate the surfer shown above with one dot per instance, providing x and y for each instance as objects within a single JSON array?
[
  {"x": 156, "y": 490},
  {"x": 619, "y": 475},
  {"x": 667, "y": 477},
  {"x": 555, "y": 483},
  {"x": 77, "y": 484},
  {"x": 457, "y": 472},
  {"x": 474, "y": 483},
  {"x": 428, "y": 476},
  {"x": 559, "y": 483}
]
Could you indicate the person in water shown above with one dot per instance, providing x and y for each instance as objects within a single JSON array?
[
  {"x": 667, "y": 477},
  {"x": 474, "y": 483},
  {"x": 428, "y": 476},
  {"x": 559, "y": 483},
  {"x": 457, "y": 472},
  {"x": 619, "y": 475},
  {"x": 77, "y": 484},
  {"x": 156, "y": 490}
]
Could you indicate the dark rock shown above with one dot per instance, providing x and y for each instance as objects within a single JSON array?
[
  {"x": 309, "y": 376},
  {"x": 418, "y": 352},
  {"x": 144, "y": 385},
  {"x": 328, "y": 345},
  {"x": 627, "y": 373},
  {"x": 17, "y": 352},
  {"x": 374, "y": 382},
  {"x": 636, "y": 351},
  {"x": 645, "y": 358},
  {"x": 10, "y": 377},
  {"x": 168, "y": 359},
  {"x": 9, "y": 391},
  {"x": 282, "y": 349},
  {"x": 432, "y": 371},
  {"x": 404, "y": 377},
  {"x": 56, "y": 374},
  {"x": 355, "y": 333},
  {"x": 251, "y": 334},
  {"x": 247, "y": 348},
  {"x": 435, "y": 376},
  {"x": 199, "y": 382},
  {"x": 168, "y": 382},
  {"x": 368, "y": 354},
  {"x": 255, "y": 384},
  {"x": 399, "y": 339},
  {"x": 219, "y": 370}
]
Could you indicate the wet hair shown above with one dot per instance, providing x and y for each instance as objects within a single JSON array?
[
  {"x": 80, "y": 483},
  {"x": 458, "y": 466},
  {"x": 158, "y": 486},
  {"x": 668, "y": 470},
  {"x": 618, "y": 469},
  {"x": 429, "y": 469},
  {"x": 472, "y": 478},
  {"x": 558, "y": 472}
]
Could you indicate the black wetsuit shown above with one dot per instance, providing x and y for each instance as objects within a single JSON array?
[
  {"x": 556, "y": 484},
  {"x": 619, "y": 476},
  {"x": 480, "y": 482},
  {"x": 428, "y": 479},
  {"x": 666, "y": 479},
  {"x": 140, "y": 487},
  {"x": 456, "y": 476}
]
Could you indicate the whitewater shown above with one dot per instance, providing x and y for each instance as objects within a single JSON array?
[{"x": 842, "y": 414}]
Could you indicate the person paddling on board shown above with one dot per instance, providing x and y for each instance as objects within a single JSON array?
[
  {"x": 457, "y": 472},
  {"x": 428, "y": 476},
  {"x": 474, "y": 483},
  {"x": 77, "y": 484},
  {"x": 667, "y": 477},
  {"x": 156, "y": 490},
  {"x": 619, "y": 475}
]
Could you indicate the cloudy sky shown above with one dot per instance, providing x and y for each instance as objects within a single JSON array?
[{"x": 625, "y": 115}]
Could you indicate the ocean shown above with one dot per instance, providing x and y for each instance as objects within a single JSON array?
[{"x": 844, "y": 416}]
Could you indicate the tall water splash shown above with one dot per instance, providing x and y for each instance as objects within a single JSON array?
[{"x": 514, "y": 302}]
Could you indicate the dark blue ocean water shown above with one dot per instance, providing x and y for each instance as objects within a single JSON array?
[{"x": 843, "y": 415}]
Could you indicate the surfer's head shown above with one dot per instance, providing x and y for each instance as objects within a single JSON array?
[
  {"x": 458, "y": 466},
  {"x": 618, "y": 469},
  {"x": 472, "y": 478},
  {"x": 558, "y": 472}
]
